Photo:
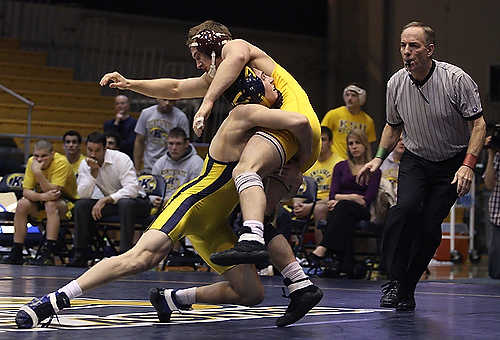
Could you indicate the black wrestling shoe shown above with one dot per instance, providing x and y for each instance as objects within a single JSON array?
[
  {"x": 249, "y": 252},
  {"x": 12, "y": 259},
  {"x": 164, "y": 301},
  {"x": 390, "y": 292},
  {"x": 406, "y": 303},
  {"x": 33, "y": 313},
  {"x": 301, "y": 302}
]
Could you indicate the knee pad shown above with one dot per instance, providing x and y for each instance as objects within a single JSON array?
[
  {"x": 270, "y": 231},
  {"x": 246, "y": 180}
]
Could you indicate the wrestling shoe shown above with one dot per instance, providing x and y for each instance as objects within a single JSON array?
[
  {"x": 39, "y": 309},
  {"x": 164, "y": 301},
  {"x": 12, "y": 259},
  {"x": 252, "y": 252},
  {"x": 301, "y": 302},
  {"x": 390, "y": 291}
]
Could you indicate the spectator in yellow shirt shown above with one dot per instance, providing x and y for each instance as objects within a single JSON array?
[
  {"x": 322, "y": 172},
  {"x": 49, "y": 186},
  {"x": 346, "y": 118},
  {"x": 73, "y": 149}
]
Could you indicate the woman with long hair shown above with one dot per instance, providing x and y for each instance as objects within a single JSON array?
[{"x": 348, "y": 203}]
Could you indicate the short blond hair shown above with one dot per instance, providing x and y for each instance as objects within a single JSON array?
[{"x": 43, "y": 144}]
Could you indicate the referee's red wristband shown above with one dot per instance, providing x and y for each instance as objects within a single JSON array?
[{"x": 470, "y": 161}]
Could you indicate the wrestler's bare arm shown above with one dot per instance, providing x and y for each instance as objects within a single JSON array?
[
  {"x": 167, "y": 88},
  {"x": 233, "y": 133}
]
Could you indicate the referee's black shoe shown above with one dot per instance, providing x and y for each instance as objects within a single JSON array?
[
  {"x": 301, "y": 302},
  {"x": 390, "y": 291},
  {"x": 406, "y": 303},
  {"x": 244, "y": 252}
]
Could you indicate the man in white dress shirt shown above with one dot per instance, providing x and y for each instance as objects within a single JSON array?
[{"x": 114, "y": 174}]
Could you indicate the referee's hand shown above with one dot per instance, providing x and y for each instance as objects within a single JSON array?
[
  {"x": 463, "y": 178},
  {"x": 363, "y": 176}
]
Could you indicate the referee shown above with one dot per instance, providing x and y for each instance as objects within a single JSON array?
[{"x": 437, "y": 108}]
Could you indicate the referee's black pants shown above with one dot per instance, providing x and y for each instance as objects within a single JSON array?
[{"x": 412, "y": 231}]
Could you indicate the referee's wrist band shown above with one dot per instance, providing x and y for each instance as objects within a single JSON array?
[
  {"x": 381, "y": 153},
  {"x": 470, "y": 161}
]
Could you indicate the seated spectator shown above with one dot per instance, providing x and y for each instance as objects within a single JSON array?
[
  {"x": 351, "y": 116},
  {"x": 123, "y": 124},
  {"x": 113, "y": 172},
  {"x": 152, "y": 131},
  {"x": 349, "y": 203},
  {"x": 113, "y": 140},
  {"x": 179, "y": 165},
  {"x": 321, "y": 171},
  {"x": 73, "y": 149},
  {"x": 49, "y": 187},
  {"x": 388, "y": 189}
]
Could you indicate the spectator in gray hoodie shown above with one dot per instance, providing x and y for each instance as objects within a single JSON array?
[{"x": 179, "y": 165}]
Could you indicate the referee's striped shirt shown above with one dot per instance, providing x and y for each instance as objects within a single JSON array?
[{"x": 434, "y": 112}]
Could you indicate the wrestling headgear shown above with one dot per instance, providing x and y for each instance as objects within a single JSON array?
[
  {"x": 361, "y": 93},
  {"x": 248, "y": 88},
  {"x": 210, "y": 43}
]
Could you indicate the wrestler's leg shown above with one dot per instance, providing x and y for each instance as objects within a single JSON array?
[
  {"x": 303, "y": 293},
  {"x": 153, "y": 246},
  {"x": 242, "y": 287}
]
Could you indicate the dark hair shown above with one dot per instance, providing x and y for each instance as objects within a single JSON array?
[
  {"x": 177, "y": 132},
  {"x": 326, "y": 130},
  {"x": 97, "y": 137},
  {"x": 73, "y": 133},
  {"x": 115, "y": 135},
  {"x": 430, "y": 35}
]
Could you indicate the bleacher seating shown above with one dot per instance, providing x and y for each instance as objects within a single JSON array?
[{"x": 61, "y": 103}]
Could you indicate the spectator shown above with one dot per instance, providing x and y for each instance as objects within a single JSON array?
[
  {"x": 179, "y": 165},
  {"x": 345, "y": 118},
  {"x": 321, "y": 171},
  {"x": 152, "y": 130},
  {"x": 113, "y": 140},
  {"x": 437, "y": 107},
  {"x": 123, "y": 124},
  {"x": 113, "y": 172},
  {"x": 49, "y": 187},
  {"x": 491, "y": 180},
  {"x": 349, "y": 203},
  {"x": 387, "y": 193},
  {"x": 73, "y": 149}
]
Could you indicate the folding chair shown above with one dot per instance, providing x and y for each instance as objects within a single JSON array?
[
  {"x": 13, "y": 183},
  {"x": 153, "y": 185},
  {"x": 367, "y": 240},
  {"x": 299, "y": 226}
]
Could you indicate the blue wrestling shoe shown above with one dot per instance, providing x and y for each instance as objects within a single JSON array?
[
  {"x": 301, "y": 302},
  {"x": 39, "y": 309},
  {"x": 164, "y": 301}
]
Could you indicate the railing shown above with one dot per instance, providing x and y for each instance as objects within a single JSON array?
[{"x": 27, "y": 137}]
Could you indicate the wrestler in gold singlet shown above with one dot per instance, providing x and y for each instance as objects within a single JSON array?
[
  {"x": 294, "y": 100},
  {"x": 200, "y": 209}
]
